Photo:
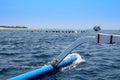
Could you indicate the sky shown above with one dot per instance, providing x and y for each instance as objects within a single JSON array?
[{"x": 61, "y": 14}]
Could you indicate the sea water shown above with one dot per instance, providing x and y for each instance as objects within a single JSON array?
[{"x": 22, "y": 51}]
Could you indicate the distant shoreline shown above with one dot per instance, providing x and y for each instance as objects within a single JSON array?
[
  {"x": 27, "y": 29},
  {"x": 13, "y": 27}
]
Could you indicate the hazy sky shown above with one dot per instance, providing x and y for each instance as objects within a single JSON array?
[{"x": 68, "y": 14}]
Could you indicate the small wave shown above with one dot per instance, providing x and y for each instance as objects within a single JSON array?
[
  {"x": 75, "y": 63},
  {"x": 3, "y": 71}
]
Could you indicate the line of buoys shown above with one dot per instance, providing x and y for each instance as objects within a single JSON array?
[
  {"x": 38, "y": 73},
  {"x": 64, "y": 31},
  {"x": 59, "y": 31}
]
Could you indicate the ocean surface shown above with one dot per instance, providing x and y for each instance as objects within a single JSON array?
[{"x": 22, "y": 51}]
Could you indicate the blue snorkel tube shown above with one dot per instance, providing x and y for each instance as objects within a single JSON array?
[{"x": 32, "y": 75}]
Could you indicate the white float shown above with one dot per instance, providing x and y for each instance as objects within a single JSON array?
[{"x": 107, "y": 38}]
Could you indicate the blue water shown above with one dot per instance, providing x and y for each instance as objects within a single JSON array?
[{"x": 22, "y": 51}]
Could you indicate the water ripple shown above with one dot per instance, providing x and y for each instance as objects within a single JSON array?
[{"x": 22, "y": 51}]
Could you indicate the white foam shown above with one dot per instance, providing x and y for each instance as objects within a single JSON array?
[{"x": 75, "y": 63}]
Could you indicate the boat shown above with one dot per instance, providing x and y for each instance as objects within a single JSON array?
[{"x": 96, "y": 28}]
